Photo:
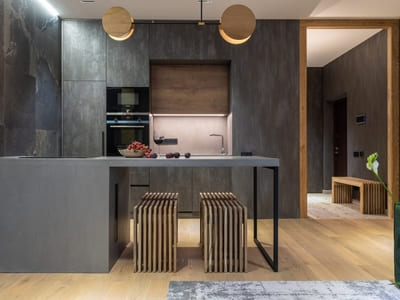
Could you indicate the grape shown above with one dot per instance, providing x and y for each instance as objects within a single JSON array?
[
  {"x": 153, "y": 155},
  {"x": 187, "y": 155},
  {"x": 169, "y": 155}
]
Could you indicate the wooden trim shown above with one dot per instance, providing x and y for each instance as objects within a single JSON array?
[
  {"x": 393, "y": 113},
  {"x": 392, "y": 27},
  {"x": 303, "y": 167}
]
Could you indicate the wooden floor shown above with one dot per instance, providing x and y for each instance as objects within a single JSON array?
[{"x": 308, "y": 250}]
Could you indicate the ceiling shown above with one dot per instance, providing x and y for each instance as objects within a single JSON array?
[{"x": 323, "y": 45}]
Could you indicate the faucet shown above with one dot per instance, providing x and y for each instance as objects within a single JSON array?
[{"x": 222, "y": 142}]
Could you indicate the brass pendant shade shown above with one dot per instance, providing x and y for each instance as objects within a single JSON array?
[
  {"x": 237, "y": 24},
  {"x": 118, "y": 23}
]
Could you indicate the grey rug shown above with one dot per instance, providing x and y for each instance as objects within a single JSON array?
[{"x": 343, "y": 290}]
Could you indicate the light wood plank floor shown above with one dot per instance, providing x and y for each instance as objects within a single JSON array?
[{"x": 309, "y": 250}]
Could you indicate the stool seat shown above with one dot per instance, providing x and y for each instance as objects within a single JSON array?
[
  {"x": 155, "y": 231},
  {"x": 223, "y": 232}
]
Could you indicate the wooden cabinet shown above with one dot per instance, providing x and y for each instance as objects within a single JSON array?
[{"x": 190, "y": 89}]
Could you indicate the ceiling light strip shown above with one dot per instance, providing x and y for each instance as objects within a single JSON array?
[{"x": 50, "y": 8}]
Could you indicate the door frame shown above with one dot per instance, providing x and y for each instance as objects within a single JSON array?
[{"x": 392, "y": 28}]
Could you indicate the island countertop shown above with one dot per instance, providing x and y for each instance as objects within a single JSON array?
[
  {"x": 193, "y": 161},
  {"x": 71, "y": 214}
]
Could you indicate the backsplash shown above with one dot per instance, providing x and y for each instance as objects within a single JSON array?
[{"x": 193, "y": 134}]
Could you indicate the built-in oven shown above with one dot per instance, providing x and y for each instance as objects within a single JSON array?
[
  {"x": 127, "y": 117},
  {"x": 128, "y": 100},
  {"x": 124, "y": 128}
]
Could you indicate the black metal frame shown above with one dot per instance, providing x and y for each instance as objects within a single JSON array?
[{"x": 272, "y": 262}]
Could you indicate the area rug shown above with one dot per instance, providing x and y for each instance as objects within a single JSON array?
[
  {"x": 288, "y": 290},
  {"x": 320, "y": 206}
]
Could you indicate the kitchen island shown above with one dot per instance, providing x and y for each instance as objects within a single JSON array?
[{"x": 71, "y": 214}]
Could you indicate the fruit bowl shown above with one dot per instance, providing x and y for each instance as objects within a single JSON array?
[{"x": 131, "y": 153}]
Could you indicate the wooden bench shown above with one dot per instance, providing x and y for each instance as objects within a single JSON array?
[
  {"x": 372, "y": 194},
  {"x": 223, "y": 233},
  {"x": 155, "y": 233}
]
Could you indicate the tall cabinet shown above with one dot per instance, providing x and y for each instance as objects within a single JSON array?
[{"x": 84, "y": 87}]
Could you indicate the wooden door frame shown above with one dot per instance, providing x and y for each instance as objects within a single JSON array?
[{"x": 392, "y": 27}]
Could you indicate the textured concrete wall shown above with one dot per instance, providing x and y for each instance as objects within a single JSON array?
[
  {"x": 265, "y": 111},
  {"x": 360, "y": 75},
  {"x": 315, "y": 132},
  {"x": 29, "y": 80}
]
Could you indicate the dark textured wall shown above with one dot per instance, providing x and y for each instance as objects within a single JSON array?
[
  {"x": 30, "y": 79},
  {"x": 264, "y": 89},
  {"x": 315, "y": 132},
  {"x": 361, "y": 76},
  {"x": 265, "y": 111}
]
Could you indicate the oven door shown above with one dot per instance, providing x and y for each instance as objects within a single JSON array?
[{"x": 121, "y": 134}]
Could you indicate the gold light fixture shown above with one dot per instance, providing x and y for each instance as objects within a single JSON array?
[
  {"x": 236, "y": 26},
  {"x": 118, "y": 23}
]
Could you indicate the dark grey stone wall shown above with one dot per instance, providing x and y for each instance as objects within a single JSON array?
[
  {"x": 1, "y": 79},
  {"x": 30, "y": 104},
  {"x": 265, "y": 112},
  {"x": 360, "y": 75},
  {"x": 315, "y": 132}
]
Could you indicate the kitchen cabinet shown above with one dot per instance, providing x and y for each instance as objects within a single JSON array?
[
  {"x": 189, "y": 182},
  {"x": 209, "y": 180},
  {"x": 84, "y": 50},
  {"x": 128, "y": 61},
  {"x": 139, "y": 185},
  {"x": 190, "y": 89},
  {"x": 84, "y": 117},
  {"x": 178, "y": 180}
]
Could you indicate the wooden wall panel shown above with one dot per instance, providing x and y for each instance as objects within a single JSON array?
[{"x": 189, "y": 89}]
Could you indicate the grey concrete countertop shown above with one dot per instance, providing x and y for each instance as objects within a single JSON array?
[{"x": 193, "y": 161}]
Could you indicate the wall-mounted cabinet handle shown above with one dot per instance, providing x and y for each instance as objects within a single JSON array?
[
  {"x": 126, "y": 126},
  {"x": 102, "y": 143}
]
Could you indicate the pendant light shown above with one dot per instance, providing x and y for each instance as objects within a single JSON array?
[
  {"x": 118, "y": 23},
  {"x": 237, "y": 24}
]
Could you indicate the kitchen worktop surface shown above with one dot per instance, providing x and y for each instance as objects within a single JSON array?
[{"x": 193, "y": 161}]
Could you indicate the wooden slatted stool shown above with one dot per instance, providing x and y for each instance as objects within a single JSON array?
[
  {"x": 223, "y": 233},
  {"x": 155, "y": 233},
  {"x": 372, "y": 194}
]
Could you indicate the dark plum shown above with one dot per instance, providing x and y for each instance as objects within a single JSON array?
[
  {"x": 187, "y": 155},
  {"x": 153, "y": 155},
  {"x": 169, "y": 155},
  {"x": 177, "y": 154}
]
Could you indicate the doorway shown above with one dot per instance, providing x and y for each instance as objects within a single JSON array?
[
  {"x": 392, "y": 27},
  {"x": 340, "y": 137}
]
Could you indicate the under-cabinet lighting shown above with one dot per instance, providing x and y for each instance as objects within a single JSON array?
[
  {"x": 189, "y": 115},
  {"x": 49, "y": 8}
]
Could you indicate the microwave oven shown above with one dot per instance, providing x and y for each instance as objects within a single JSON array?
[{"x": 128, "y": 100}]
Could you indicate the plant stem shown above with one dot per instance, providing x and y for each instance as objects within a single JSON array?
[{"x": 384, "y": 185}]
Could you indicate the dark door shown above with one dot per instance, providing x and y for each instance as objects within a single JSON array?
[{"x": 340, "y": 138}]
